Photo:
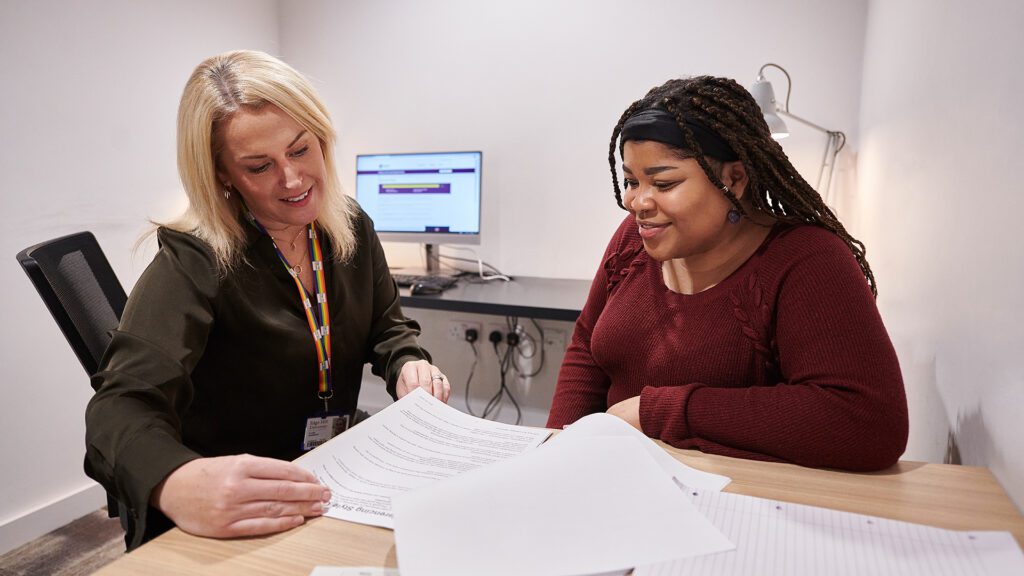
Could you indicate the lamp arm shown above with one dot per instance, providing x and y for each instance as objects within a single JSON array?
[
  {"x": 805, "y": 121},
  {"x": 836, "y": 142}
]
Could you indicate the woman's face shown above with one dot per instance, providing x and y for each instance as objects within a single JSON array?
[
  {"x": 275, "y": 164},
  {"x": 680, "y": 213}
]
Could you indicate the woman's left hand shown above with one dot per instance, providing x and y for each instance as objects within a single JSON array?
[
  {"x": 628, "y": 410},
  {"x": 423, "y": 374}
]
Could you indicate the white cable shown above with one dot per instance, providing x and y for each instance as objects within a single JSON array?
[{"x": 479, "y": 263}]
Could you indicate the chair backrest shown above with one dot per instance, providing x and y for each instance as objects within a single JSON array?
[{"x": 81, "y": 290}]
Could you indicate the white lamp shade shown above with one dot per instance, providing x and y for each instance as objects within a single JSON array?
[
  {"x": 777, "y": 126},
  {"x": 764, "y": 94}
]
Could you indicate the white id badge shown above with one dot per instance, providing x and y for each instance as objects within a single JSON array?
[{"x": 320, "y": 429}]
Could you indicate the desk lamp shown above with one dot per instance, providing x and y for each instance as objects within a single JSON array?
[{"x": 764, "y": 94}]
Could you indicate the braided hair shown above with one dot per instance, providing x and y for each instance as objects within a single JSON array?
[{"x": 775, "y": 187}]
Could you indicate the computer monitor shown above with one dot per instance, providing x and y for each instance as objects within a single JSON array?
[{"x": 430, "y": 197}]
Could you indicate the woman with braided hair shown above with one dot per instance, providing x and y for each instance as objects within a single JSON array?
[{"x": 732, "y": 313}]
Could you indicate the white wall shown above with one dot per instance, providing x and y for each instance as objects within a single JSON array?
[
  {"x": 941, "y": 203},
  {"x": 87, "y": 114},
  {"x": 538, "y": 86}
]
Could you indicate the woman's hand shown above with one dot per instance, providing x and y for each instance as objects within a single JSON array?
[
  {"x": 628, "y": 410},
  {"x": 239, "y": 496},
  {"x": 423, "y": 374}
]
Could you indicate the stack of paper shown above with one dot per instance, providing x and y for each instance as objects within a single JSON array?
[
  {"x": 599, "y": 498},
  {"x": 411, "y": 443},
  {"x": 582, "y": 505}
]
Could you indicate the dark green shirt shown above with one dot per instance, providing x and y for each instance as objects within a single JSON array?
[{"x": 211, "y": 365}]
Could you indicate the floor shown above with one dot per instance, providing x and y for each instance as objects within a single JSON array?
[{"x": 79, "y": 548}]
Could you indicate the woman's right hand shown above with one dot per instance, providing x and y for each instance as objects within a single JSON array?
[{"x": 241, "y": 495}]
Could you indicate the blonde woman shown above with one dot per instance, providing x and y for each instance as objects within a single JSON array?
[{"x": 243, "y": 343}]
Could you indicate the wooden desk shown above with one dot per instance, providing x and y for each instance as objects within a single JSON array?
[{"x": 957, "y": 497}]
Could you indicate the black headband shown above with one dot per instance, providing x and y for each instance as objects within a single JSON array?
[{"x": 660, "y": 126}]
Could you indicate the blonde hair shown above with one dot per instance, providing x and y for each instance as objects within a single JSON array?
[{"x": 218, "y": 88}]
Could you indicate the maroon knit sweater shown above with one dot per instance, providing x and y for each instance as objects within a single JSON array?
[{"x": 785, "y": 360}]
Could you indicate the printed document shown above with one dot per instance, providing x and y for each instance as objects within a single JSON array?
[{"x": 411, "y": 443}]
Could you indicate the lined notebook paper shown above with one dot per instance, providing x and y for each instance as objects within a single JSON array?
[{"x": 780, "y": 538}]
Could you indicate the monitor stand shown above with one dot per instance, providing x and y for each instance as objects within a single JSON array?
[
  {"x": 433, "y": 259},
  {"x": 433, "y": 264}
]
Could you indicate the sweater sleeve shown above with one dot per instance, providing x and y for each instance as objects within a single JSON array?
[
  {"x": 840, "y": 400},
  {"x": 582, "y": 387},
  {"x": 392, "y": 340},
  {"x": 143, "y": 385}
]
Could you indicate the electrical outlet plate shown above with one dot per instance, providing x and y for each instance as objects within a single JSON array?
[{"x": 457, "y": 329}]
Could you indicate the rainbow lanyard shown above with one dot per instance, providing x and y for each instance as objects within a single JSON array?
[{"x": 319, "y": 317}]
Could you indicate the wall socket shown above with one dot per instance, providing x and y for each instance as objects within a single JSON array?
[
  {"x": 485, "y": 337},
  {"x": 457, "y": 330}
]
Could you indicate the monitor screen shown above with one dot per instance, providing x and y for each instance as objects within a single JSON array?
[{"x": 432, "y": 197}]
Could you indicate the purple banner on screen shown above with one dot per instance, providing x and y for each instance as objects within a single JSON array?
[
  {"x": 442, "y": 188},
  {"x": 416, "y": 171}
]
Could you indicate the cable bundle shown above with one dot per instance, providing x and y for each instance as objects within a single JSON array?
[{"x": 519, "y": 345}]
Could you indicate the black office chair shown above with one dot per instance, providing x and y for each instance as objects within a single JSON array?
[{"x": 79, "y": 287}]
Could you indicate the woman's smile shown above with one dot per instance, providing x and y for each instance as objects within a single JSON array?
[
  {"x": 651, "y": 230},
  {"x": 299, "y": 200}
]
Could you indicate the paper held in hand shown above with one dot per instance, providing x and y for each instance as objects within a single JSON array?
[{"x": 411, "y": 443}]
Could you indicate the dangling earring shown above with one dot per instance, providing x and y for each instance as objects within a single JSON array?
[
  {"x": 734, "y": 215},
  {"x": 227, "y": 192}
]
